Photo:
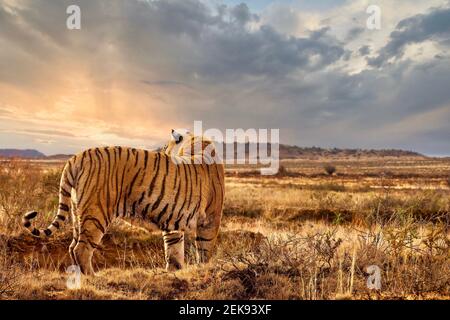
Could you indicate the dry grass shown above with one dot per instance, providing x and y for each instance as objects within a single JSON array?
[{"x": 299, "y": 235}]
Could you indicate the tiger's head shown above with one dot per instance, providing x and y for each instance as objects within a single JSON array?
[{"x": 184, "y": 144}]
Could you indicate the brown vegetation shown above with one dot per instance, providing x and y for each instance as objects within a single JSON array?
[{"x": 298, "y": 235}]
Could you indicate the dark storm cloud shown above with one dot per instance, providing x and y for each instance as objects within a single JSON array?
[
  {"x": 183, "y": 35},
  {"x": 242, "y": 15},
  {"x": 434, "y": 26},
  {"x": 354, "y": 33},
  {"x": 227, "y": 68},
  {"x": 364, "y": 50}
]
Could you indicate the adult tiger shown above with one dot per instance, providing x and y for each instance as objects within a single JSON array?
[{"x": 163, "y": 188}]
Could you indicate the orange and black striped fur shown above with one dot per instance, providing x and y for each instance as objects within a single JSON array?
[{"x": 162, "y": 188}]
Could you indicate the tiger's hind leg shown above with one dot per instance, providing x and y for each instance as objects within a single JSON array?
[
  {"x": 206, "y": 236},
  {"x": 174, "y": 249},
  {"x": 75, "y": 226},
  {"x": 91, "y": 233}
]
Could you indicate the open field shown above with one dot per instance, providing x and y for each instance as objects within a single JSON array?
[{"x": 302, "y": 234}]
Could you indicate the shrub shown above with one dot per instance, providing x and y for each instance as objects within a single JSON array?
[
  {"x": 282, "y": 172},
  {"x": 329, "y": 169}
]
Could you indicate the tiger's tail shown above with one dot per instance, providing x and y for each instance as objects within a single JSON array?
[{"x": 65, "y": 188}]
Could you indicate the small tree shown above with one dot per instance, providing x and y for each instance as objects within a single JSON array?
[
  {"x": 282, "y": 171},
  {"x": 329, "y": 169}
]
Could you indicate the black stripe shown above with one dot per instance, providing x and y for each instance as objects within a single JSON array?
[
  {"x": 48, "y": 232},
  {"x": 31, "y": 215},
  {"x": 179, "y": 214},
  {"x": 88, "y": 181},
  {"x": 92, "y": 244},
  {"x": 173, "y": 241},
  {"x": 125, "y": 199},
  {"x": 203, "y": 239},
  {"x": 144, "y": 213},
  {"x": 120, "y": 193},
  {"x": 192, "y": 187},
  {"x": 145, "y": 159},
  {"x": 154, "y": 178},
  {"x": 137, "y": 157},
  {"x": 27, "y": 224},
  {"x": 102, "y": 209},
  {"x": 141, "y": 198},
  {"x": 116, "y": 174},
  {"x": 55, "y": 224},
  {"x": 35, "y": 232},
  {"x": 99, "y": 152},
  {"x": 108, "y": 182},
  {"x": 96, "y": 222},
  {"x": 198, "y": 202},
  {"x": 99, "y": 164},
  {"x": 63, "y": 207},
  {"x": 81, "y": 168},
  {"x": 161, "y": 213},
  {"x": 162, "y": 191},
  {"x": 100, "y": 158},
  {"x": 64, "y": 192},
  {"x": 133, "y": 182},
  {"x": 133, "y": 209},
  {"x": 100, "y": 196},
  {"x": 61, "y": 217},
  {"x": 69, "y": 170},
  {"x": 172, "y": 209}
]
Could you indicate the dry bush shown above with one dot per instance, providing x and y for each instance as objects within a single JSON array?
[
  {"x": 10, "y": 272},
  {"x": 428, "y": 205},
  {"x": 25, "y": 187},
  {"x": 278, "y": 253},
  {"x": 285, "y": 267},
  {"x": 329, "y": 169},
  {"x": 315, "y": 268},
  {"x": 282, "y": 171}
]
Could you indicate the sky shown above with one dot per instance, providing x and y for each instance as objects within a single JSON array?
[{"x": 312, "y": 69}]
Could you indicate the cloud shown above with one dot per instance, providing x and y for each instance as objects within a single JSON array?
[
  {"x": 433, "y": 26},
  {"x": 136, "y": 69},
  {"x": 364, "y": 50},
  {"x": 353, "y": 33}
]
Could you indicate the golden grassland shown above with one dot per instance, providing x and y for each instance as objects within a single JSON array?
[{"x": 302, "y": 234}]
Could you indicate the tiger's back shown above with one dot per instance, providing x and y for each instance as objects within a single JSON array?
[{"x": 133, "y": 183}]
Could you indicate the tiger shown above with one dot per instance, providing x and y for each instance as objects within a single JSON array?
[{"x": 171, "y": 189}]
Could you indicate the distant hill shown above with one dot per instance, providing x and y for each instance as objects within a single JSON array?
[
  {"x": 292, "y": 152},
  {"x": 18, "y": 153},
  {"x": 295, "y": 152},
  {"x": 286, "y": 152}
]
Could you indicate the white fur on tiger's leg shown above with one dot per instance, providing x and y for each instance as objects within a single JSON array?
[{"x": 174, "y": 249}]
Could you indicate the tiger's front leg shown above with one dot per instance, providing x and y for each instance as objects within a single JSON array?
[{"x": 174, "y": 249}]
